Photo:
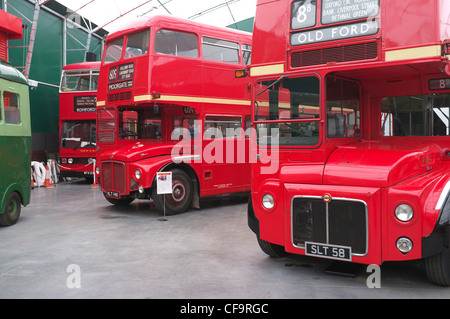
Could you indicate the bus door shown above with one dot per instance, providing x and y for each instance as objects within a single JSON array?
[
  {"x": 185, "y": 128},
  {"x": 224, "y": 153}
]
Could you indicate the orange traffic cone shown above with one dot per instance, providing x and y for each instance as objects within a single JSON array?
[
  {"x": 48, "y": 182},
  {"x": 32, "y": 179}
]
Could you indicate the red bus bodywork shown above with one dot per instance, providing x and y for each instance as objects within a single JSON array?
[
  {"x": 77, "y": 115},
  {"x": 363, "y": 161},
  {"x": 168, "y": 79}
]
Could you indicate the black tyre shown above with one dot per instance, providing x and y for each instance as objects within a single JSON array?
[
  {"x": 180, "y": 199},
  {"x": 11, "y": 213},
  {"x": 273, "y": 250},
  {"x": 437, "y": 268},
  {"x": 119, "y": 202}
]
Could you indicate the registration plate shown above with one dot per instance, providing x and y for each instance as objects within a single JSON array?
[
  {"x": 328, "y": 251},
  {"x": 112, "y": 194}
]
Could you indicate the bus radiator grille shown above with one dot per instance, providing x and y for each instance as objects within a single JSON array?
[
  {"x": 347, "y": 223},
  {"x": 113, "y": 176},
  {"x": 356, "y": 52}
]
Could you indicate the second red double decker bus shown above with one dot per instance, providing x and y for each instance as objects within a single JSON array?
[
  {"x": 351, "y": 99},
  {"x": 77, "y": 114},
  {"x": 168, "y": 101}
]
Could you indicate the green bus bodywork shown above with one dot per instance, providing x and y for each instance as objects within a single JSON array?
[{"x": 15, "y": 144}]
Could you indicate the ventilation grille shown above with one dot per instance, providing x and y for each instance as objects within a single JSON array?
[
  {"x": 3, "y": 46},
  {"x": 356, "y": 52},
  {"x": 119, "y": 96}
]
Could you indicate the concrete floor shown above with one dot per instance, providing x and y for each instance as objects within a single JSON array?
[{"x": 128, "y": 252}]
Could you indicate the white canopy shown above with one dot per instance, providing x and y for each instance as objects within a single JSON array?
[{"x": 111, "y": 14}]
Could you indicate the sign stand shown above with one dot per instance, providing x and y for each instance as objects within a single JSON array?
[{"x": 164, "y": 186}]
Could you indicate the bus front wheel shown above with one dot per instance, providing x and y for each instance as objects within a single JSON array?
[
  {"x": 273, "y": 250},
  {"x": 437, "y": 268},
  {"x": 180, "y": 199},
  {"x": 11, "y": 213}
]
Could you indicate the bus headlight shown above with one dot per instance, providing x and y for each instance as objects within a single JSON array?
[
  {"x": 70, "y": 160},
  {"x": 404, "y": 245},
  {"x": 97, "y": 170},
  {"x": 137, "y": 174},
  {"x": 268, "y": 202},
  {"x": 404, "y": 213}
]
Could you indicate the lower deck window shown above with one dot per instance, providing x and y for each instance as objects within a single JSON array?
[
  {"x": 416, "y": 115},
  {"x": 139, "y": 124},
  {"x": 11, "y": 107}
]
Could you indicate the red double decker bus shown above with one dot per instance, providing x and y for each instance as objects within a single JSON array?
[
  {"x": 350, "y": 103},
  {"x": 168, "y": 101},
  {"x": 77, "y": 117}
]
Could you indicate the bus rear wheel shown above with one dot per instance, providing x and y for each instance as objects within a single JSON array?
[
  {"x": 180, "y": 199},
  {"x": 437, "y": 268},
  {"x": 11, "y": 213}
]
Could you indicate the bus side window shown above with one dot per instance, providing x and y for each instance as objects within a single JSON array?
[
  {"x": 220, "y": 50},
  {"x": 184, "y": 128},
  {"x": 222, "y": 127},
  {"x": 176, "y": 43},
  {"x": 11, "y": 107},
  {"x": 246, "y": 54}
]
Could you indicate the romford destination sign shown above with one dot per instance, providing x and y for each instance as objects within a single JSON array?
[{"x": 335, "y": 33}]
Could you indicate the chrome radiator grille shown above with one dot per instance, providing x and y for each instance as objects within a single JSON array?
[{"x": 337, "y": 222}]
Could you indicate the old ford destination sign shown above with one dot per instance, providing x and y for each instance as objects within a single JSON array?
[{"x": 335, "y": 33}]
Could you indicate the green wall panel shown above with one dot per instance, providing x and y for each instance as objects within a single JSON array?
[{"x": 46, "y": 66}]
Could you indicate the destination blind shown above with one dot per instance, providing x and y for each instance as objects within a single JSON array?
[{"x": 304, "y": 12}]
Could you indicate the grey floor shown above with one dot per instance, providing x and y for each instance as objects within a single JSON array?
[{"x": 128, "y": 252}]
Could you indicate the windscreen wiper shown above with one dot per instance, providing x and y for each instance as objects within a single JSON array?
[{"x": 275, "y": 82}]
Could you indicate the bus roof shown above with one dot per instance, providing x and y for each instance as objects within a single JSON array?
[
  {"x": 11, "y": 25},
  {"x": 174, "y": 22},
  {"x": 83, "y": 66},
  {"x": 7, "y": 72}
]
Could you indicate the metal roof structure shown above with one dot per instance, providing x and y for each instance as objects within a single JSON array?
[
  {"x": 110, "y": 14},
  {"x": 102, "y": 16}
]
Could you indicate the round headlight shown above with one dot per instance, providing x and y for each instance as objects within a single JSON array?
[
  {"x": 97, "y": 170},
  {"x": 137, "y": 174},
  {"x": 268, "y": 202},
  {"x": 404, "y": 244},
  {"x": 70, "y": 160},
  {"x": 404, "y": 213}
]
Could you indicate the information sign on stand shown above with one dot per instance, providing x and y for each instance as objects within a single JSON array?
[{"x": 164, "y": 186}]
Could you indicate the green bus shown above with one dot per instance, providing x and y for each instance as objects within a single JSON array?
[{"x": 15, "y": 144}]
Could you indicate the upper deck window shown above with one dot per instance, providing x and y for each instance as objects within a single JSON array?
[
  {"x": 220, "y": 50},
  {"x": 137, "y": 44},
  {"x": 79, "y": 81},
  {"x": 114, "y": 50},
  {"x": 176, "y": 43}
]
